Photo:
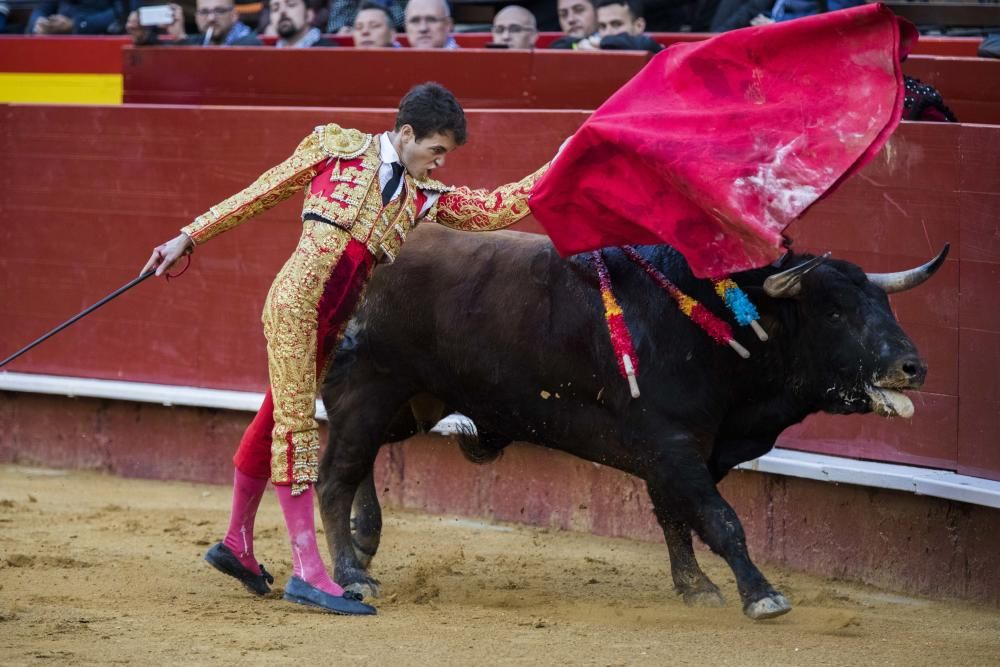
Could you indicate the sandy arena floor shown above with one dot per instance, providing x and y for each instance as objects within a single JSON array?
[{"x": 101, "y": 570}]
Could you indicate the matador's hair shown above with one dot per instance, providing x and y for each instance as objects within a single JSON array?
[{"x": 430, "y": 108}]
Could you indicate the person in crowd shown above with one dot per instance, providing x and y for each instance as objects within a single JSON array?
[
  {"x": 76, "y": 17},
  {"x": 736, "y": 14},
  {"x": 578, "y": 20},
  {"x": 373, "y": 27},
  {"x": 621, "y": 26},
  {"x": 218, "y": 21},
  {"x": 320, "y": 15},
  {"x": 343, "y": 13},
  {"x": 429, "y": 24},
  {"x": 363, "y": 192},
  {"x": 4, "y": 13},
  {"x": 291, "y": 21},
  {"x": 786, "y": 10},
  {"x": 515, "y": 27}
]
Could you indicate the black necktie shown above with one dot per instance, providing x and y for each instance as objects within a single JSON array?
[{"x": 390, "y": 188}]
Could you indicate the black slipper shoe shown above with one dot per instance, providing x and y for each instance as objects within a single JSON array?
[
  {"x": 225, "y": 561},
  {"x": 300, "y": 592}
]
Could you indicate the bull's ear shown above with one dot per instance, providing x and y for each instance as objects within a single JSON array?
[{"x": 788, "y": 283}]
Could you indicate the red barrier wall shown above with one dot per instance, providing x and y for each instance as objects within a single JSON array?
[
  {"x": 91, "y": 190},
  {"x": 480, "y": 78}
]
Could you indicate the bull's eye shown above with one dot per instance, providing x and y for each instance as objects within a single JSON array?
[{"x": 834, "y": 317}]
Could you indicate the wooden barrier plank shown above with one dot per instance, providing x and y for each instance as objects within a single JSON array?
[
  {"x": 970, "y": 86},
  {"x": 65, "y": 54},
  {"x": 481, "y": 78}
]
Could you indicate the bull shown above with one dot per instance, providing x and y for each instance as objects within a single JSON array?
[{"x": 501, "y": 329}]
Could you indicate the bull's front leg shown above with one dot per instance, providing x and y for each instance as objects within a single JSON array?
[
  {"x": 690, "y": 582},
  {"x": 681, "y": 483}
]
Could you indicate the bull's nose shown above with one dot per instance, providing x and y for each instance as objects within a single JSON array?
[{"x": 912, "y": 368}]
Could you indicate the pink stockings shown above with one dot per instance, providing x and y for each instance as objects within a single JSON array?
[{"x": 299, "y": 519}]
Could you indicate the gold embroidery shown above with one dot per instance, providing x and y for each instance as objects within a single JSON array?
[
  {"x": 344, "y": 142},
  {"x": 482, "y": 210},
  {"x": 280, "y": 182},
  {"x": 290, "y": 326}
]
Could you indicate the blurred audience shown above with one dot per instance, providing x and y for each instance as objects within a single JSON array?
[
  {"x": 429, "y": 24},
  {"x": 320, "y": 15},
  {"x": 373, "y": 27},
  {"x": 736, "y": 14},
  {"x": 217, "y": 20},
  {"x": 291, "y": 21},
  {"x": 77, "y": 17},
  {"x": 620, "y": 25},
  {"x": 515, "y": 27},
  {"x": 4, "y": 13},
  {"x": 578, "y": 20},
  {"x": 786, "y": 10},
  {"x": 343, "y": 13}
]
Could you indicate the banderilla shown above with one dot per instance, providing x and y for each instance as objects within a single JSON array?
[{"x": 84, "y": 313}]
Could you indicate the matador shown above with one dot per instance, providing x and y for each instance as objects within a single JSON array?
[{"x": 363, "y": 194}]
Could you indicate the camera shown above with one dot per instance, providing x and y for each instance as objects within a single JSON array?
[{"x": 155, "y": 16}]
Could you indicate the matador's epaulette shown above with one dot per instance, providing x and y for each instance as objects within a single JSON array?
[{"x": 341, "y": 142}]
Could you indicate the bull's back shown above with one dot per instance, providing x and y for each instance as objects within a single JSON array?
[{"x": 478, "y": 304}]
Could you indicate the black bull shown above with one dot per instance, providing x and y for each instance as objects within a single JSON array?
[{"x": 499, "y": 328}]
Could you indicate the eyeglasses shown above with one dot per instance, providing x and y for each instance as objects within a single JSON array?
[
  {"x": 218, "y": 11},
  {"x": 431, "y": 21},
  {"x": 510, "y": 29}
]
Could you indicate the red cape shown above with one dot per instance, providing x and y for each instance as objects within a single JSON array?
[{"x": 716, "y": 146}]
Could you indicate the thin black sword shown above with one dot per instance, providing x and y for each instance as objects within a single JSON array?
[{"x": 117, "y": 292}]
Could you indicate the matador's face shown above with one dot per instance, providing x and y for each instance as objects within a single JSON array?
[{"x": 421, "y": 157}]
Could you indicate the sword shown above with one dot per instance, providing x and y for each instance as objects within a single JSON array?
[{"x": 117, "y": 292}]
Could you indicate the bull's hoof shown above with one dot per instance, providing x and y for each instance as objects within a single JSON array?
[
  {"x": 356, "y": 581},
  {"x": 767, "y": 607},
  {"x": 365, "y": 590},
  {"x": 706, "y": 597}
]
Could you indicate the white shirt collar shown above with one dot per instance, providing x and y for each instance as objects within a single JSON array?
[{"x": 386, "y": 152}]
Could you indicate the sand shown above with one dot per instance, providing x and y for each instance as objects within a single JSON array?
[{"x": 101, "y": 570}]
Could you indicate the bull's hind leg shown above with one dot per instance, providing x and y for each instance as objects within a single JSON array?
[
  {"x": 360, "y": 418},
  {"x": 366, "y": 521},
  {"x": 689, "y": 580},
  {"x": 682, "y": 484}
]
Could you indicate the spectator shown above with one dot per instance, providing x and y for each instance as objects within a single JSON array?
[
  {"x": 620, "y": 25},
  {"x": 786, "y": 10},
  {"x": 4, "y": 12},
  {"x": 291, "y": 21},
  {"x": 373, "y": 27},
  {"x": 578, "y": 20},
  {"x": 217, "y": 20},
  {"x": 429, "y": 24},
  {"x": 343, "y": 12},
  {"x": 736, "y": 14},
  {"x": 320, "y": 16},
  {"x": 515, "y": 26},
  {"x": 78, "y": 17}
]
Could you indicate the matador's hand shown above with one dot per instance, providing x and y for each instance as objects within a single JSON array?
[{"x": 166, "y": 254}]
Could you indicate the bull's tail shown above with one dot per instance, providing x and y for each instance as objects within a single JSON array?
[{"x": 477, "y": 448}]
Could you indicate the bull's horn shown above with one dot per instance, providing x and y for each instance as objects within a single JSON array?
[
  {"x": 904, "y": 280},
  {"x": 787, "y": 284}
]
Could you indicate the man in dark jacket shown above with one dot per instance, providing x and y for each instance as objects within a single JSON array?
[
  {"x": 79, "y": 17},
  {"x": 218, "y": 21}
]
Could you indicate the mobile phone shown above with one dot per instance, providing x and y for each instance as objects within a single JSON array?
[
  {"x": 496, "y": 45},
  {"x": 155, "y": 15}
]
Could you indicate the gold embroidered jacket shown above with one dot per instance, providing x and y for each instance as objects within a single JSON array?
[{"x": 340, "y": 168}]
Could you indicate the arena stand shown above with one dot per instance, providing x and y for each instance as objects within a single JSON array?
[{"x": 162, "y": 378}]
